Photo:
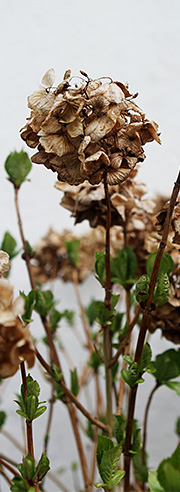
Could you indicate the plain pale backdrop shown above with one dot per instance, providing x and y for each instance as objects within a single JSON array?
[{"x": 133, "y": 41}]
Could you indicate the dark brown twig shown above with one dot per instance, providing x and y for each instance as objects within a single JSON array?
[{"x": 144, "y": 327}]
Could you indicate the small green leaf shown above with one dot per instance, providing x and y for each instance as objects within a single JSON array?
[
  {"x": 31, "y": 403},
  {"x": 161, "y": 290},
  {"x": 169, "y": 477},
  {"x": 123, "y": 267},
  {"x": 120, "y": 429},
  {"x": 104, "y": 444},
  {"x": 72, "y": 248},
  {"x": 118, "y": 477},
  {"x": 2, "y": 418},
  {"x": 136, "y": 437},
  {"x": 130, "y": 375},
  {"x": 18, "y": 166},
  {"x": 142, "y": 288},
  {"x": 20, "y": 485},
  {"x": 44, "y": 302},
  {"x": 74, "y": 382},
  {"x": 167, "y": 365},
  {"x": 22, "y": 414},
  {"x": 100, "y": 485},
  {"x": 140, "y": 469},
  {"x": 94, "y": 361},
  {"x": 9, "y": 245},
  {"x": 166, "y": 265},
  {"x": 29, "y": 304},
  {"x": 39, "y": 412},
  {"x": 100, "y": 266},
  {"x": 146, "y": 358},
  {"x": 27, "y": 467},
  {"x": 42, "y": 467}
]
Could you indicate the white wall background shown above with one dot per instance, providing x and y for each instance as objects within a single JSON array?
[{"x": 135, "y": 41}]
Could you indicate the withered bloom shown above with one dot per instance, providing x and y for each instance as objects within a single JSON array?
[
  {"x": 15, "y": 338},
  {"x": 51, "y": 259},
  {"x": 88, "y": 131},
  {"x": 4, "y": 263}
]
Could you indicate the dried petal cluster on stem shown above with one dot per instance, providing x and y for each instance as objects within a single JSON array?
[{"x": 85, "y": 131}]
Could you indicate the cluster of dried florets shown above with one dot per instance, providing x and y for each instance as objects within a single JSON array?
[
  {"x": 15, "y": 338},
  {"x": 89, "y": 131},
  {"x": 51, "y": 259}
]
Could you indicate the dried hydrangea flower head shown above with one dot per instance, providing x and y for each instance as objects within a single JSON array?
[
  {"x": 51, "y": 260},
  {"x": 4, "y": 263},
  {"x": 15, "y": 338},
  {"x": 87, "y": 131}
]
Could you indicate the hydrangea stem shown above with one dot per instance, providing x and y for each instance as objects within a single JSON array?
[
  {"x": 143, "y": 330},
  {"x": 107, "y": 302}
]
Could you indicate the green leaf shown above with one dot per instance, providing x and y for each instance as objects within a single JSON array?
[
  {"x": 18, "y": 166},
  {"x": 120, "y": 429},
  {"x": 94, "y": 361},
  {"x": 9, "y": 245},
  {"x": 117, "y": 323},
  {"x": 104, "y": 444},
  {"x": 100, "y": 266},
  {"x": 27, "y": 467},
  {"x": 124, "y": 267},
  {"x": 74, "y": 382},
  {"x": 90, "y": 312},
  {"x": 29, "y": 304},
  {"x": 169, "y": 477},
  {"x": 142, "y": 288},
  {"x": 109, "y": 464},
  {"x": 22, "y": 414},
  {"x": 39, "y": 412},
  {"x": 54, "y": 318},
  {"x": 2, "y": 418},
  {"x": 42, "y": 467},
  {"x": 31, "y": 251},
  {"x": 20, "y": 485},
  {"x": 117, "y": 477},
  {"x": 166, "y": 265},
  {"x": 174, "y": 385},
  {"x": 177, "y": 428},
  {"x": 140, "y": 469},
  {"x": 146, "y": 358},
  {"x": 161, "y": 290},
  {"x": 31, "y": 404},
  {"x": 167, "y": 365},
  {"x": 72, "y": 248},
  {"x": 44, "y": 302},
  {"x": 154, "y": 482},
  {"x": 136, "y": 438},
  {"x": 130, "y": 375},
  {"x": 69, "y": 316}
]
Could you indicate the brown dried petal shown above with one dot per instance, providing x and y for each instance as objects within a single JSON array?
[
  {"x": 57, "y": 144},
  {"x": 4, "y": 262}
]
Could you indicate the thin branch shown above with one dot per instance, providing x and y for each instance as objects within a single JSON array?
[
  {"x": 126, "y": 351},
  {"x": 9, "y": 467},
  {"x": 72, "y": 398},
  {"x": 49, "y": 422},
  {"x": 107, "y": 302},
  {"x": 4, "y": 474},
  {"x": 145, "y": 421},
  {"x": 144, "y": 327}
]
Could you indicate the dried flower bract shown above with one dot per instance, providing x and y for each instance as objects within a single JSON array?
[{"x": 87, "y": 131}]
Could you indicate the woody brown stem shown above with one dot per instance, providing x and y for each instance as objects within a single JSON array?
[
  {"x": 53, "y": 353},
  {"x": 145, "y": 422},
  {"x": 107, "y": 303},
  {"x": 144, "y": 327}
]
